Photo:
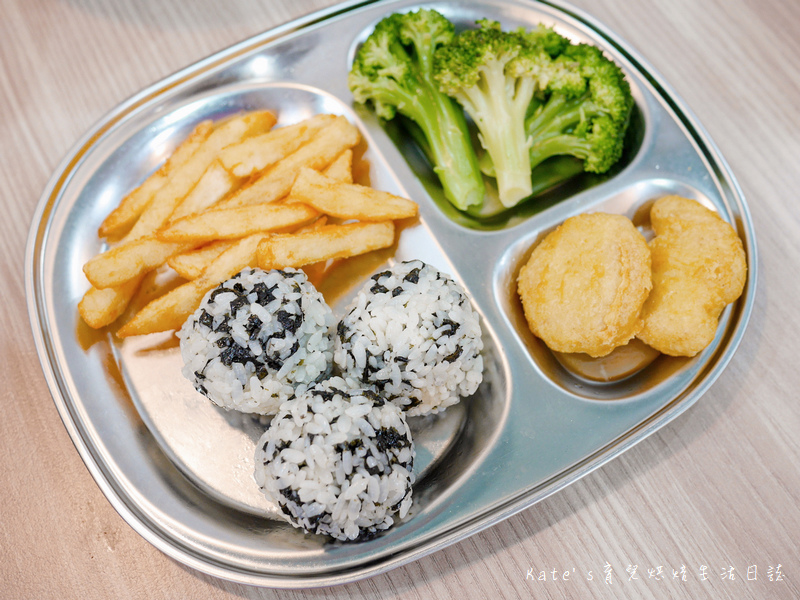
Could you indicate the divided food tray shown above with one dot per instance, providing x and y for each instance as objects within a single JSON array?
[{"x": 179, "y": 470}]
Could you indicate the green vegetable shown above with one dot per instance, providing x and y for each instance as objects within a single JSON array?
[
  {"x": 534, "y": 95},
  {"x": 491, "y": 73},
  {"x": 587, "y": 121},
  {"x": 393, "y": 71}
]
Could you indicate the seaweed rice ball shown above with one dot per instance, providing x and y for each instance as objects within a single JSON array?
[
  {"x": 255, "y": 338},
  {"x": 337, "y": 461},
  {"x": 412, "y": 333}
]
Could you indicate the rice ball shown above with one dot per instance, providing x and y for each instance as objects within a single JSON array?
[
  {"x": 337, "y": 461},
  {"x": 412, "y": 333},
  {"x": 255, "y": 338}
]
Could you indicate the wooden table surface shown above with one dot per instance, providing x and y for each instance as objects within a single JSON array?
[{"x": 716, "y": 489}]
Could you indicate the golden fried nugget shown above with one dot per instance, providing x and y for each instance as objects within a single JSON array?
[
  {"x": 584, "y": 286},
  {"x": 699, "y": 267}
]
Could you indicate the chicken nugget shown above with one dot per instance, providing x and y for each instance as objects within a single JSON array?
[
  {"x": 699, "y": 267},
  {"x": 584, "y": 286}
]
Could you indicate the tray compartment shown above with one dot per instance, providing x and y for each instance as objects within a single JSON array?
[
  {"x": 550, "y": 185},
  {"x": 634, "y": 202}
]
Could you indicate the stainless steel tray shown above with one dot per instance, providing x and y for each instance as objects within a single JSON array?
[{"x": 178, "y": 470}]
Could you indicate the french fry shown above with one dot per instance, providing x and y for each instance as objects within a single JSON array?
[
  {"x": 341, "y": 169},
  {"x": 131, "y": 259},
  {"x": 232, "y": 223},
  {"x": 347, "y": 200},
  {"x": 140, "y": 251},
  {"x": 132, "y": 205},
  {"x": 190, "y": 265},
  {"x": 278, "y": 251},
  {"x": 261, "y": 151},
  {"x": 316, "y": 271},
  {"x": 99, "y": 308},
  {"x": 186, "y": 177},
  {"x": 197, "y": 197},
  {"x": 214, "y": 185},
  {"x": 169, "y": 311},
  {"x": 276, "y": 181},
  {"x": 314, "y": 226}
]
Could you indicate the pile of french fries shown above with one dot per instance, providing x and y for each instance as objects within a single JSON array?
[{"x": 237, "y": 194}]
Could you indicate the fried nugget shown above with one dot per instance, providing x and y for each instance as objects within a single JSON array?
[
  {"x": 699, "y": 267},
  {"x": 584, "y": 286}
]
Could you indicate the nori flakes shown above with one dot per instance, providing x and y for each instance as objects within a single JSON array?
[
  {"x": 206, "y": 319},
  {"x": 376, "y": 398},
  {"x": 291, "y": 495},
  {"x": 238, "y": 303},
  {"x": 453, "y": 327},
  {"x": 387, "y": 438},
  {"x": 223, "y": 326},
  {"x": 352, "y": 445},
  {"x": 412, "y": 276},
  {"x": 224, "y": 342},
  {"x": 326, "y": 395},
  {"x": 454, "y": 356},
  {"x": 289, "y": 322},
  {"x": 376, "y": 470},
  {"x": 340, "y": 392},
  {"x": 235, "y": 354},
  {"x": 263, "y": 293},
  {"x": 378, "y": 289},
  {"x": 253, "y": 326},
  {"x": 274, "y": 362},
  {"x": 220, "y": 290}
]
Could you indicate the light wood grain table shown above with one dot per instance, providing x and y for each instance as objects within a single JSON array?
[{"x": 717, "y": 488}]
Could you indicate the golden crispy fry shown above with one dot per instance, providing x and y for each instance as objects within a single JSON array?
[
  {"x": 314, "y": 225},
  {"x": 699, "y": 267},
  {"x": 214, "y": 185},
  {"x": 99, "y": 308},
  {"x": 131, "y": 259},
  {"x": 347, "y": 200},
  {"x": 259, "y": 152},
  {"x": 232, "y": 223},
  {"x": 276, "y": 181},
  {"x": 584, "y": 286},
  {"x": 198, "y": 197},
  {"x": 140, "y": 251},
  {"x": 191, "y": 264},
  {"x": 278, "y": 251},
  {"x": 341, "y": 169},
  {"x": 132, "y": 205},
  {"x": 169, "y": 311},
  {"x": 186, "y": 177},
  {"x": 316, "y": 271}
]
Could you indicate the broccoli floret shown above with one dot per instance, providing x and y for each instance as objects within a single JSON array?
[
  {"x": 494, "y": 74},
  {"x": 588, "y": 120},
  {"x": 535, "y": 93},
  {"x": 393, "y": 71}
]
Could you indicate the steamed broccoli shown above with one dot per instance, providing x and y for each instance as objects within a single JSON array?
[
  {"x": 534, "y": 95},
  {"x": 393, "y": 71},
  {"x": 587, "y": 121},
  {"x": 492, "y": 74}
]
